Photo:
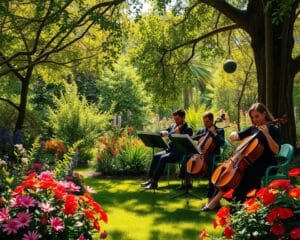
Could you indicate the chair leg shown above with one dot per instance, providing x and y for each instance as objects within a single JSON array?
[{"x": 168, "y": 173}]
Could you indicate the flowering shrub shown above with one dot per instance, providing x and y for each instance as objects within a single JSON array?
[
  {"x": 123, "y": 154},
  {"x": 272, "y": 212},
  {"x": 55, "y": 147},
  {"x": 44, "y": 208}
]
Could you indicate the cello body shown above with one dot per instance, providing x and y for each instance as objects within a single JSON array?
[
  {"x": 229, "y": 174},
  {"x": 197, "y": 164}
]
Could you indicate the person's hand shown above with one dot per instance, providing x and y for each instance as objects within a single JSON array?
[
  {"x": 164, "y": 133},
  {"x": 234, "y": 136},
  {"x": 212, "y": 129},
  {"x": 264, "y": 129}
]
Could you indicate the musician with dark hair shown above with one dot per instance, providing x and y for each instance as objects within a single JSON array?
[
  {"x": 171, "y": 154},
  {"x": 217, "y": 135}
]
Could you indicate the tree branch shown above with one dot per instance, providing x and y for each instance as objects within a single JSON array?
[
  {"x": 198, "y": 39},
  {"x": 187, "y": 14},
  {"x": 10, "y": 103},
  {"x": 234, "y": 14},
  {"x": 108, "y": 5}
]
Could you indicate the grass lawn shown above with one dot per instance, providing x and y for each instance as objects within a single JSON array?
[{"x": 135, "y": 214}]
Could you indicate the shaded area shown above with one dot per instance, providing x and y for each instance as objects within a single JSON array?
[{"x": 138, "y": 214}]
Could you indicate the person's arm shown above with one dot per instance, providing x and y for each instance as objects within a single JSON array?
[{"x": 273, "y": 144}]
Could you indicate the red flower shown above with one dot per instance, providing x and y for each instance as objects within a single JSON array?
[
  {"x": 203, "y": 234},
  {"x": 294, "y": 172},
  {"x": 89, "y": 214},
  {"x": 285, "y": 213},
  {"x": 277, "y": 229},
  {"x": 71, "y": 205},
  {"x": 99, "y": 159},
  {"x": 265, "y": 196},
  {"x": 284, "y": 184},
  {"x": 59, "y": 192},
  {"x": 129, "y": 130},
  {"x": 229, "y": 194},
  {"x": 251, "y": 205},
  {"x": 103, "y": 235},
  {"x": 295, "y": 233},
  {"x": 279, "y": 212},
  {"x": 113, "y": 152},
  {"x": 228, "y": 232},
  {"x": 96, "y": 225},
  {"x": 215, "y": 223},
  {"x": 294, "y": 193},
  {"x": 223, "y": 212}
]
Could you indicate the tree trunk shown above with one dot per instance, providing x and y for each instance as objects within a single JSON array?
[
  {"x": 18, "y": 138},
  {"x": 273, "y": 56},
  {"x": 186, "y": 98}
]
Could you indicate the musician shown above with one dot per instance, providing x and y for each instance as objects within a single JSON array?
[
  {"x": 171, "y": 154},
  {"x": 270, "y": 139},
  {"x": 218, "y": 138}
]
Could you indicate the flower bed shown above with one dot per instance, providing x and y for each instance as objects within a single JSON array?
[
  {"x": 44, "y": 208},
  {"x": 272, "y": 212}
]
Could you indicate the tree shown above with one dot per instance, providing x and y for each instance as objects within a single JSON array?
[
  {"x": 38, "y": 33},
  {"x": 167, "y": 77},
  {"x": 270, "y": 25}
]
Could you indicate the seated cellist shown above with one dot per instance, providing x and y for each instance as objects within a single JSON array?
[
  {"x": 269, "y": 137},
  {"x": 218, "y": 140}
]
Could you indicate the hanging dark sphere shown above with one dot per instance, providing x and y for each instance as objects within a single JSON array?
[{"x": 229, "y": 66}]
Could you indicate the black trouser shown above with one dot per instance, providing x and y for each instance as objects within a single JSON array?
[{"x": 159, "y": 162}]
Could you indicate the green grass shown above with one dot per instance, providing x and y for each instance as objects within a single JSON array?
[{"x": 135, "y": 214}]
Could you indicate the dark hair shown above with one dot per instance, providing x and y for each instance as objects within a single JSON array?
[
  {"x": 261, "y": 108},
  {"x": 208, "y": 115},
  {"x": 179, "y": 112}
]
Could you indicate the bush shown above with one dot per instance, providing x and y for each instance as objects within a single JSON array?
[
  {"x": 75, "y": 120},
  {"x": 123, "y": 154}
]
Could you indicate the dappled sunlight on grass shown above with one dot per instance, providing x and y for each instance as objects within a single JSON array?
[{"x": 149, "y": 215}]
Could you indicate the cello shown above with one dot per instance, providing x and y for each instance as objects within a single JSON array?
[
  {"x": 197, "y": 164},
  {"x": 229, "y": 174}
]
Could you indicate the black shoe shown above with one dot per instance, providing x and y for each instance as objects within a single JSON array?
[
  {"x": 144, "y": 184},
  {"x": 182, "y": 187},
  {"x": 152, "y": 185}
]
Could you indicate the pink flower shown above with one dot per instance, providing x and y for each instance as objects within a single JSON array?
[
  {"x": 23, "y": 219},
  {"x": 27, "y": 201},
  {"x": 57, "y": 223},
  {"x": 16, "y": 202},
  {"x": 70, "y": 186},
  {"x": 47, "y": 175},
  {"x": 11, "y": 226},
  {"x": 46, "y": 207},
  {"x": 4, "y": 214},
  {"x": 31, "y": 235},
  {"x": 81, "y": 237},
  {"x": 37, "y": 165},
  {"x": 89, "y": 189}
]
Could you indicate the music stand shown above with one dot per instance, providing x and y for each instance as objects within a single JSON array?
[
  {"x": 184, "y": 143},
  {"x": 153, "y": 140}
]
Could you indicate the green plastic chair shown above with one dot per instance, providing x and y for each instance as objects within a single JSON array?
[
  {"x": 177, "y": 166},
  {"x": 221, "y": 157},
  {"x": 285, "y": 154}
]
